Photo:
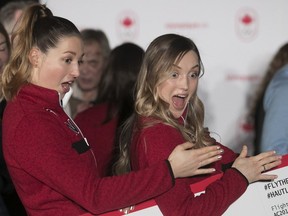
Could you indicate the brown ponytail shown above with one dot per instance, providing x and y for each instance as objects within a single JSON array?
[{"x": 36, "y": 28}]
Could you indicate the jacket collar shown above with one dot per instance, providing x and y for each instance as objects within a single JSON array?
[{"x": 44, "y": 97}]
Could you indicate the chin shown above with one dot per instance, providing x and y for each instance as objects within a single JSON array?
[{"x": 176, "y": 115}]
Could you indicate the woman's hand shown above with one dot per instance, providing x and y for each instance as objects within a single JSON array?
[
  {"x": 253, "y": 167},
  {"x": 186, "y": 161}
]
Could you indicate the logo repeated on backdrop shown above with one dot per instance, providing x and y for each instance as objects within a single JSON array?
[
  {"x": 247, "y": 24},
  {"x": 185, "y": 28},
  {"x": 127, "y": 26}
]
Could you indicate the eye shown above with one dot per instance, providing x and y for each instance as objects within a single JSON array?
[
  {"x": 80, "y": 62},
  {"x": 93, "y": 63},
  {"x": 174, "y": 74},
  {"x": 3, "y": 47},
  {"x": 68, "y": 60},
  {"x": 194, "y": 74}
]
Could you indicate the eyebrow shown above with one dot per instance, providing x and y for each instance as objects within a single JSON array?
[
  {"x": 195, "y": 66},
  {"x": 70, "y": 52},
  {"x": 73, "y": 53}
]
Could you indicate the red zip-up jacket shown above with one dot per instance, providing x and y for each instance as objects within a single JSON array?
[
  {"x": 101, "y": 136},
  {"x": 180, "y": 200},
  {"x": 55, "y": 171}
]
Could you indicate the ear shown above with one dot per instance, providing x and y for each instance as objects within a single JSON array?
[{"x": 34, "y": 57}]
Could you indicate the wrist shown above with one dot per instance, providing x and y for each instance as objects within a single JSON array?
[{"x": 171, "y": 171}]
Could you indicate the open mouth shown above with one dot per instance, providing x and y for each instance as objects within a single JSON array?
[
  {"x": 179, "y": 101},
  {"x": 66, "y": 86}
]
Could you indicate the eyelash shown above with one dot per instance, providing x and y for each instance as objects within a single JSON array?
[
  {"x": 191, "y": 74},
  {"x": 195, "y": 74},
  {"x": 2, "y": 49},
  {"x": 68, "y": 60},
  {"x": 174, "y": 74},
  {"x": 80, "y": 62}
]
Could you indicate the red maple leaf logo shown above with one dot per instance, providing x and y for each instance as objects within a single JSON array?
[
  {"x": 247, "y": 19},
  {"x": 247, "y": 127},
  {"x": 127, "y": 22}
]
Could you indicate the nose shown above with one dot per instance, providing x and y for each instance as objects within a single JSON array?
[
  {"x": 184, "y": 82},
  {"x": 76, "y": 71},
  {"x": 83, "y": 68}
]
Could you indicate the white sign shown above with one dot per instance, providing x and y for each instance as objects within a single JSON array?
[
  {"x": 264, "y": 198},
  {"x": 260, "y": 199}
]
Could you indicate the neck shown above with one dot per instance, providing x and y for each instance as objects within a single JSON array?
[{"x": 89, "y": 95}]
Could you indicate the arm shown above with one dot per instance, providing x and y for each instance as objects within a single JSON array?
[
  {"x": 186, "y": 161},
  {"x": 180, "y": 200},
  {"x": 45, "y": 153},
  {"x": 252, "y": 167},
  {"x": 55, "y": 168}
]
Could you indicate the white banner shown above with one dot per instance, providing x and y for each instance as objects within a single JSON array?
[{"x": 260, "y": 199}]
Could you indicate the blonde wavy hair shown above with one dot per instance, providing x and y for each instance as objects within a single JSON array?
[
  {"x": 37, "y": 27},
  {"x": 164, "y": 52}
]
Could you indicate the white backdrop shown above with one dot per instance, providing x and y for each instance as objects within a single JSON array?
[{"x": 236, "y": 39}]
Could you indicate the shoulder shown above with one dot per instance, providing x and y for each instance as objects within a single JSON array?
[
  {"x": 35, "y": 131},
  {"x": 39, "y": 122},
  {"x": 280, "y": 79},
  {"x": 159, "y": 138},
  {"x": 155, "y": 142},
  {"x": 276, "y": 93},
  {"x": 159, "y": 129}
]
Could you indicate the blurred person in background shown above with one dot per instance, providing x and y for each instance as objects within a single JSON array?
[
  {"x": 10, "y": 13},
  {"x": 10, "y": 203},
  {"x": 85, "y": 89},
  {"x": 114, "y": 103},
  {"x": 5, "y": 47},
  {"x": 269, "y": 110},
  {"x": 4, "y": 175}
]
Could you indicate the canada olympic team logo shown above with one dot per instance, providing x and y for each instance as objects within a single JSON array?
[
  {"x": 247, "y": 24},
  {"x": 127, "y": 26}
]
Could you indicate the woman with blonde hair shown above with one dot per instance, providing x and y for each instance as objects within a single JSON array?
[{"x": 167, "y": 109}]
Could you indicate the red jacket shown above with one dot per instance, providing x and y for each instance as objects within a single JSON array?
[
  {"x": 53, "y": 168},
  {"x": 180, "y": 200},
  {"x": 101, "y": 136}
]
